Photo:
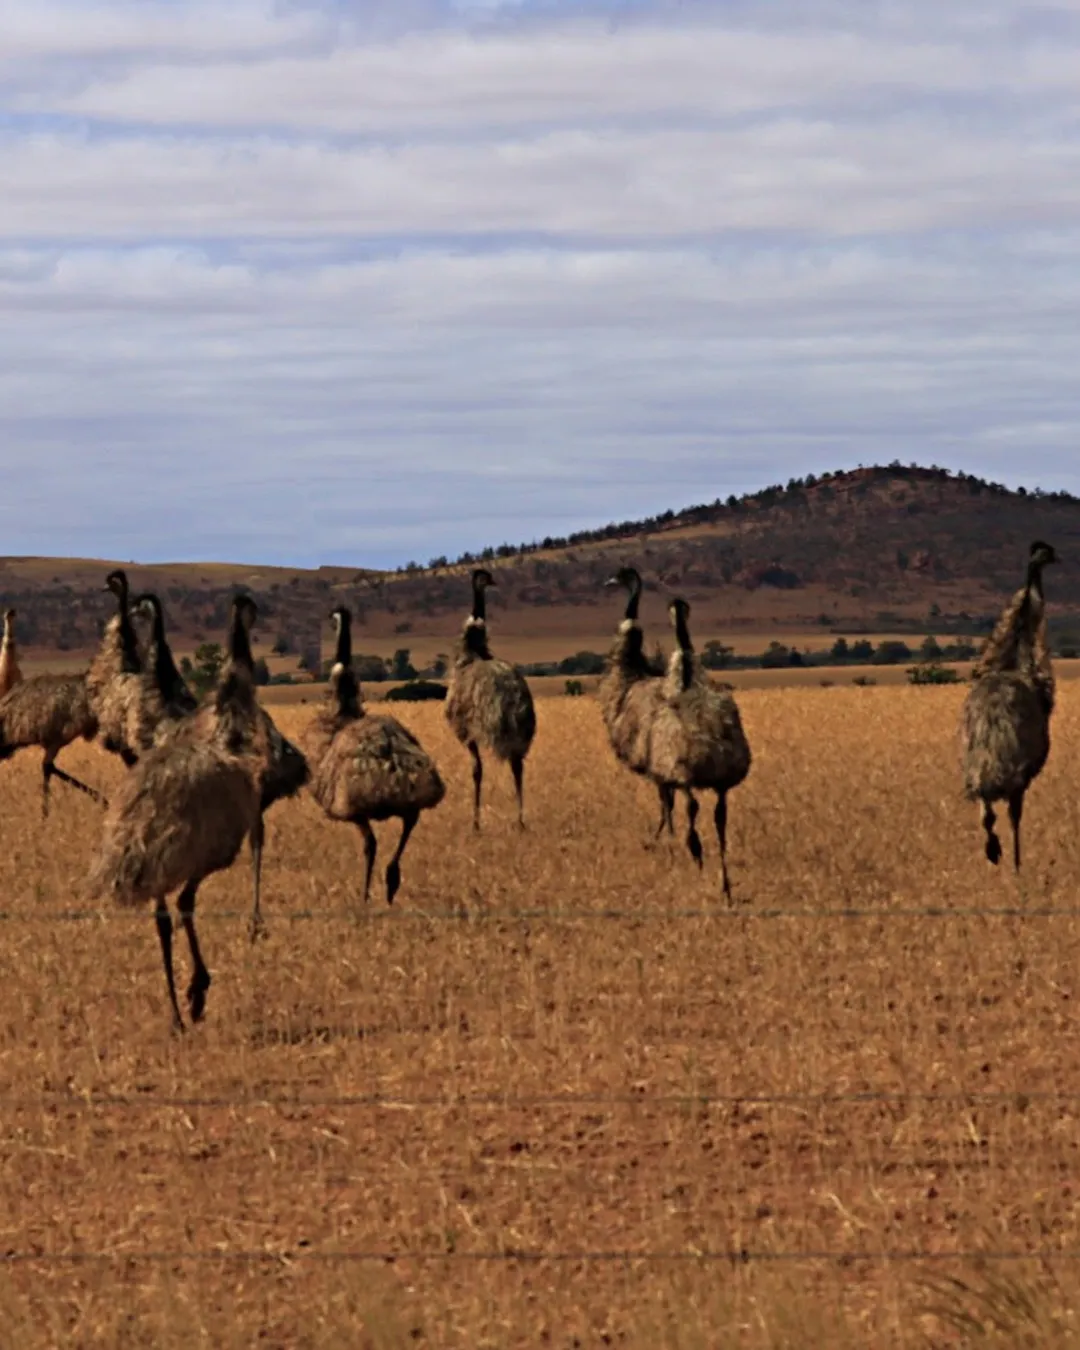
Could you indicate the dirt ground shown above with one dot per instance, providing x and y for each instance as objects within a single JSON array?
[{"x": 561, "y": 1094}]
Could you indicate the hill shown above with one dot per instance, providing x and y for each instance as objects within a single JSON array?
[{"x": 884, "y": 549}]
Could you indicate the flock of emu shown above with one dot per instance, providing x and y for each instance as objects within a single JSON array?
[{"x": 203, "y": 774}]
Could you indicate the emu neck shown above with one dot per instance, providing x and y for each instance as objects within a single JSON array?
[
  {"x": 129, "y": 641},
  {"x": 628, "y": 652},
  {"x": 682, "y": 633},
  {"x": 685, "y": 648},
  {"x": 157, "y": 638},
  {"x": 235, "y": 700},
  {"x": 1034, "y": 585},
  {"x": 479, "y": 603},
  {"x": 474, "y": 640},
  {"x": 345, "y": 693},
  {"x": 633, "y": 602},
  {"x": 165, "y": 672},
  {"x": 343, "y": 648},
  {"x": 9, "y": 636},
  {"x": 344, "y": 686},
  {"x": 240, "y": 647}
]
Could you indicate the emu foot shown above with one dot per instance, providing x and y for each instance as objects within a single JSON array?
[{"x": 196, "y": 994}]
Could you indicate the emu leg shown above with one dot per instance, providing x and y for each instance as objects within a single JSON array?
[
  {"x": 517, "y": 768},
  {"x": 477, "y": 778},
  {"x": 693, "y": 839},
  {"x": 393, "y": 871},
  {"x": 993, "y": 843},
  {"x": 370, "y": 846},
  {"x": 200, "y": 976},
  {"x": 50, "y": 769},
  {"x": 165, "y": 930},
  {"x": 257, "y": 928},
  {"x": 1016, "y": 811},
  {"x": 720, "y": 816},
  {"x": 667, "y": 808}
]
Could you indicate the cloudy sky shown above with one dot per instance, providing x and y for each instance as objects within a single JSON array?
[{"x": 365, "y": 282}]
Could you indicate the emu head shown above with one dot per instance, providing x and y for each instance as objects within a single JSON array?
[
  {"x": 1042, "y": 554},
  {"x": 628, "y": 577},
  {"x": 246, "y": 610},
  {"x": 117, "y": 582}
]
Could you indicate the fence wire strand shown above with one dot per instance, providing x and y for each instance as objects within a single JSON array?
[
  {"x": 741, "y": 1257},
  {"x": 1018, "y": 1098},
  {"x": 481, "y": 915}
]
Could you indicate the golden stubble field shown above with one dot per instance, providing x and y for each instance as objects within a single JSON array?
[{"x": 561, "y": 1095}]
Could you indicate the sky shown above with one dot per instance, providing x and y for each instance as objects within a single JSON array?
[{"x": 354, "y": 282}]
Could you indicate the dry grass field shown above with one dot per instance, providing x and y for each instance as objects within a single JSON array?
[{"x": 561, "y": 1095}]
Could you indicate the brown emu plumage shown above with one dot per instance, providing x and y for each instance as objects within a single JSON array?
[
  {"x": 367, "y": 767},
  {"x": 709, "y": 749},
  {"x": 184, "y": 811},
  {"x": 489, "y": 705},
  {"x": 114, "y": 687},
  {"x": 698, "y": 738},
  {"x": 51, "y": 711},
  {"x": 678, "y": 730},
  {"x": 631, "y": 695},
  {"x": 1005, "y": 722},
  {"x": 10, "y": 674},
  {"x": 158, "y": 700},
  {"x": 163, "y": 697}
]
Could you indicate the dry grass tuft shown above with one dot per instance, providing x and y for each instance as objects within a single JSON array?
[{"x": 421, "y": 1126}]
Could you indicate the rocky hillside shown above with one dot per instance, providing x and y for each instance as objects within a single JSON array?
[{"x": 879, "y": 549}]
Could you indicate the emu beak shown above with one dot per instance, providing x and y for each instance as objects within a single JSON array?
[{"x": 612, "y": 581}]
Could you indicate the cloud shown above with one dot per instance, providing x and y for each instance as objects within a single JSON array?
[{"x": 368, "y": 281}]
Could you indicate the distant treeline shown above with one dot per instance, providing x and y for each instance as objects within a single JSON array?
[
  {"x": 715, "y": 655},
  {"x": 793, "y": 494}
]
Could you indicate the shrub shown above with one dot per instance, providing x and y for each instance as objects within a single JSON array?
[
  {"x": 416, "y": 691},
  {"x": 930, "y": 651},
  {"x": 891, "y": 653},
  {"x": 401, "y": 668},
  {"x": 863, "y": 681},
  {"x": 716, "y": 655},
  {"x": 582, "y": 663},
  {"x": 931, "y": 672},
  {"x": 574, "y": 688},
  {"x": 776, "y": 656},
  {"x": 209, "y": 658},
  {"x": 368, "y": 669}
]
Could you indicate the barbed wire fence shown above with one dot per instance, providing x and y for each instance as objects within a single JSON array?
[{"x": 492, "y": 914}]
